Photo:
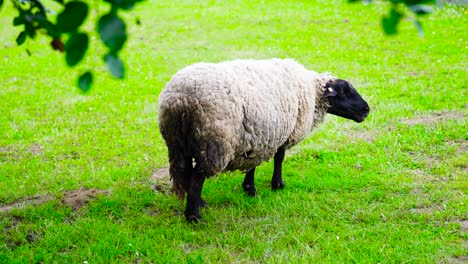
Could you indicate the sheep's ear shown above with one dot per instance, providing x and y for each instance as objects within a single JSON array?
[{"x": 329, "y": 92}]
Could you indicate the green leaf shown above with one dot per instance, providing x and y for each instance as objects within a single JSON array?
[
  {"x": 47, "y": 25},
  {"x": 72, "y": 16},
  {"x": 115, "y": 65},
  {"x": 30, "y": 29},
  {"x": 123, "y": 4},
  {"x": 75, "y": 48},
  {"x": 112, "y": 31},
  {"x": 21, "y": 38},
  {"x": 390, "y": 22},
  {"x": 19, "y": 20},
  {"x": 421, "y": 9},
  {"x": 85, "y": 81}
]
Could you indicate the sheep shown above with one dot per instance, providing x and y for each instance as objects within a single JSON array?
[{"x": 234, "y": 115}]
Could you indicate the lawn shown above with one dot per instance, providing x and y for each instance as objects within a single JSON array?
[{"x": 83, "y": 178}]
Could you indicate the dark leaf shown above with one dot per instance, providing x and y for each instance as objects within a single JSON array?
[
  {"x": 112, "y": 32},
  {"x": 59, "y": 1},
  {"x": 1, "y": 3},
  {"x": 123, "y": 4},
  {"x": 115, "y": 65},
  {"x": 21, "y": 38},
  {"x": 75, "y": 48},
  {"x": 138, "y": 21},
  {"x": 30, "y": 29},
  {"x": 72, "y": 16},
  {"x": 419, "y": 28},
  {"x": 390, "y": 22},
  {"x": 85, "y": 81},
  {"x": 421, "y": 9},
  {"x": 47, "y": 25},
  {"x": 19, "y": 20},
  {"x": 28, "y": 52}
]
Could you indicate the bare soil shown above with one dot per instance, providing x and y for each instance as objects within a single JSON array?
[
  {"x": 160, "y": 174},
  {"x": 25, "y": 202},
  {"x": 434, "y": 118},
  {"x": 463, "y": 225},
  {"x": 426, "y": 209},
  {"x": 76, "y": 199},
  {"x": 459, "y": 260},
  {"x": 161, "y": 180},
  {"x": 36, "y": 149},
  {"x": 463, "y": 147}
]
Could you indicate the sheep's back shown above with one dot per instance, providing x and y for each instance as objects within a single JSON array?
[{"x": 249, "y": 107}]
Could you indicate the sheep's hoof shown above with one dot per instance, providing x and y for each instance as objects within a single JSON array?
[
  {"x": 250, "y": 190},
  {"x": 277, "y": 186},
  {"x": 193, "y": 218}
]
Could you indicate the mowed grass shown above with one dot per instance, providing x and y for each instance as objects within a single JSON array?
[{"x": 389, "y": 190}]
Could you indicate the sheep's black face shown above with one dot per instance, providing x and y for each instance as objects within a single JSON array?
[{"x": 345, "y": 101}]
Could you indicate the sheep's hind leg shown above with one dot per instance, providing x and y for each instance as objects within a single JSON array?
[
  {"x": 249, "y": 183},
  {"x": 194, "y": 200},
  {"x": 277, "y": 180}
]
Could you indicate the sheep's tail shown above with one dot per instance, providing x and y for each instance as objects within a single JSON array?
[{"x": 180, "y": 157}]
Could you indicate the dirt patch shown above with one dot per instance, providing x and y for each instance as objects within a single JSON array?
[
  {"x": 25, "y": 202},
  {"x": 76, "y": 199},
  {"x": 363, "y": 135},
  {"x": 459, "y": 260},
  {"x": 36, "y": 149},
  {"x": 161, "y": 180},
  {"x": 160, "y": 174},
  {"x": 435, "y": 117},
  {"x": 463, "y": 225},
  {"x": 8, "y": 153},
  {"x": 463, "y": 147},
  {"x": 14, "y": 221},
  {"x": 366, "y": 137},
  {"x": 426, "y": 209}
]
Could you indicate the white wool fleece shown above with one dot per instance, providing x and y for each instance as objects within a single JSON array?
[{"x": 238, "y": 113}]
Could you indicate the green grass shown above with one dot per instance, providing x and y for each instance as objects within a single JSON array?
[{"x": 390, "y": 190}]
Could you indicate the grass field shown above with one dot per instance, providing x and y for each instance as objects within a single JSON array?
[{"x": 82, "y": 177}]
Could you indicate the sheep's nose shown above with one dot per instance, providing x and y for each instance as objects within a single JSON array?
[{"x": 366, "y": 108}]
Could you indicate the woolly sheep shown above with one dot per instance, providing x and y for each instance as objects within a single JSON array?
[{"x": 235, "y": 115}]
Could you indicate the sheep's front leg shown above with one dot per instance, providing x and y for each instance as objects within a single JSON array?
[
  {"x": 194, "y": 200},
  {"x": 249, "y": 183},
  {"x": 277, "y": 180}
]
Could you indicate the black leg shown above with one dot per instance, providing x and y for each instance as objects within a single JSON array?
[
  {"x": 249, "y": 183},
  {"x": 277, "y": 180},
  {"x": 194, "y": 200},
  {"x": 202, "y": 203}
]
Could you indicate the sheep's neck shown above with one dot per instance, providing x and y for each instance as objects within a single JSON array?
[{"x": 321, "y": 107}]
